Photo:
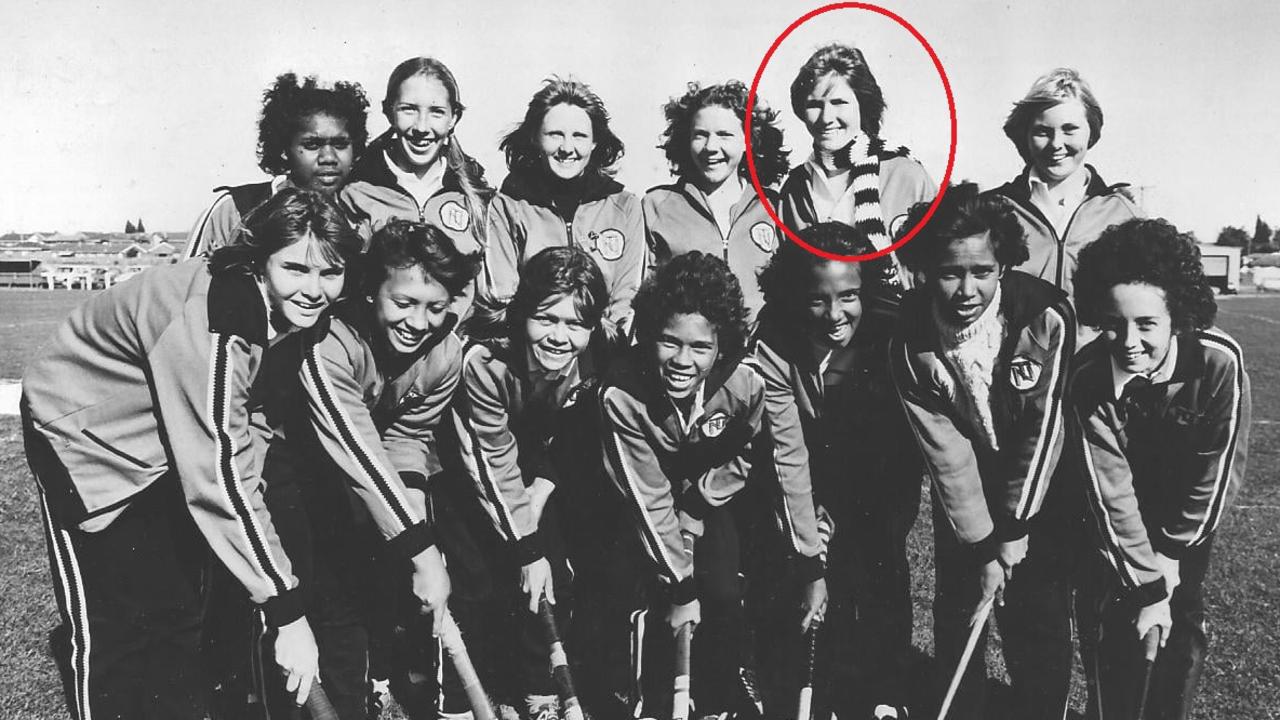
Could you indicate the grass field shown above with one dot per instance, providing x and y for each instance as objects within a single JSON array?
[{"x": 1241, "y": 679}]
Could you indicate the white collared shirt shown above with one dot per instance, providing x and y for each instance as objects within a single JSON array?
[
  {"x": 421, "y": 188},
  {"x": 832, "y": 196},
  {"x": 695, "y": 410},
  {"x": 1162, "y": 374},
  {"x": 1059, "y": 203}
]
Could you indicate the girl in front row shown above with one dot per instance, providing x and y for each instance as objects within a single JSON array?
[
  {"x": 685, "y": 421},
  {"x": 376, "y": 384},
  {"x": 981, "y": 364},
  {"x": 822, "y": 349},
  {"x": 525, "y": 415},
  {"x": 713, "y": 207},
  {"x": 1163, "y": 400},
  {"x": 139, "y": 419},
  {"x": 560, "y": 192}
]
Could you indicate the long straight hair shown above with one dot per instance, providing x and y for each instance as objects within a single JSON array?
[{"x": 475, "y": 190}]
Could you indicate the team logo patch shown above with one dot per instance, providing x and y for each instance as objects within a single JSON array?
[
  {"x": 715, "y": 423},
  {"x": 454, "y": 216},
  {"x": 608, "y": 243},
  {"x": 1024, "y": 373},
  {"x": 763, "y": 235}
]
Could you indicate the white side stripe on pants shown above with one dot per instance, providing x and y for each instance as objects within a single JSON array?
[{"x": 66, "y": 571}]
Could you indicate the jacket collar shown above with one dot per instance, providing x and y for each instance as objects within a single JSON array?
[
  {"x": 1019, "y": 189},
  {"x": 1022, "y": 297},
  {"x": 372, "y": 166},
  {"x": 533, "y": 186}
]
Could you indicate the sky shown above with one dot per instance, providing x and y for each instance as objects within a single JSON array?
[{"x": 138, "y": 109}]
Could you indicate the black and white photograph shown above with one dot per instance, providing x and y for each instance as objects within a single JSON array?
[{"x": 707, "y": 360}]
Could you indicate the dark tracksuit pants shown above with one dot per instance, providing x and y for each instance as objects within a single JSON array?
[
  {"x": 631, "y": 657},
  {"x": 864, "y": 655},
  {"x": 1035, "y": 621},
  {"x": 1113, "y": 655},
  {"x": 131, "y": 599},
  {"x": 330, "y": 542}
]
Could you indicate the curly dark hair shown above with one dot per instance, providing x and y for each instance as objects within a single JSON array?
[
  {"x": 1151, "y": 252},
  {"x": 693, "y": 283},
  {"x": 784, "y": 279},
  {"x": 288, "y": 103},
  {"x": 766, "y": 136},
  {"x": 554, "y": 272},
  {"x": 291, "y": 215},
  {"x": 405, "y": 243},
  {"x": 963, "y": 212},
  {"x": 521, "y": 145},
  {"x": 847, "y": 62}
]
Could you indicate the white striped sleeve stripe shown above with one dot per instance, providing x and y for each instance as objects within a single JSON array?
[
  {"x": 375, "y": 474},
  {"x": 482, "y": 472},
  {"x": 1036, "y": 483},
  {"x": 228, "y": 475},
  {"x": 196, "y": 240},
  {"x": 1113, "y": 550},
  {"x": 70, "y": 586},
  {"x": 652, "y": 541},
  {"x": 751, "y": 364},
  {"x": 1223, "y": 344}
]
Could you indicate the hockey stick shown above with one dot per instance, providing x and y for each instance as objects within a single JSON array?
[
  {"x": 560, "y": 664},
  {"x": 980, "y": 621},
  {"x": 805, "y": 710},
  {"x": 451, "y": 638},
  {"x": 1150, "y": 647},
  {"x": 318, "y": 705},
  {"x": 680, "y": 698}
]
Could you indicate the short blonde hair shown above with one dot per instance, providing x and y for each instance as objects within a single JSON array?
[{"x": 1050, "y": 89}]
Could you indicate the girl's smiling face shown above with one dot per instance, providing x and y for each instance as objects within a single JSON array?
[
  {"x": 1137, "y": 326},
  {"x": 556, "y": 333},
  {"x": 1058, "y": 140},
  {"x": 686, "y": 350},
  {"x": 832, "y": 113},
  {"x": 567, "y": 140},
  {"x": 300, "y": 284},
  {"x": 716, "y": 145},
  {"x": 965, "y": 279},
  {"x": 409, "y": 308},
  {"x": 834, "y": 302},
  {"x": 423, "y": 119}
]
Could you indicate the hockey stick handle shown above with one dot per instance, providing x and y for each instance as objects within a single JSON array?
[
  {"x": 980, "y": 621},
  {"x": 451, "y": 638},
  {"x": 805, "y": 709},
  {"x": 318, "y": 704},
  {"x": 680, "y": 697},
  {"x": 560, "y": 664}
]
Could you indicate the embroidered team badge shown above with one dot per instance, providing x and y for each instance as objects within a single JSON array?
[
  {"x": 715, "y": 423},
  {"x": 1024, "y": 373},
  {"x": 454, "y": 216},
  {"x": 895, "y": 226},
  {"x": 608, "y": 243},
  {"x": 764, "y": 237}
]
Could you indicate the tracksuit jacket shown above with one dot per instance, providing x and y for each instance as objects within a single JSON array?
[
  {"x": 1053, "y": 258},
  {"x": 988, "y": 497},
  {"x": 671, "y": 472},
  {"x": 218, "y": 224},
  {"x": 1163, "y": 463},
  {"x": 903, "y": 183},
  {"x": 507, "y": 429},
  {"x": 678, "y": 220},
  {"x": 155, "y": 376},
  {"x": 376, "y": 418},
  {"x": 858, "y": 437},
  {"x": 372, "y": 197},
  {"x": 608, "y": 224}
]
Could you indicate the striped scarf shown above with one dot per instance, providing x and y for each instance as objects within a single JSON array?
[{"x": 863, "y": 156}]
